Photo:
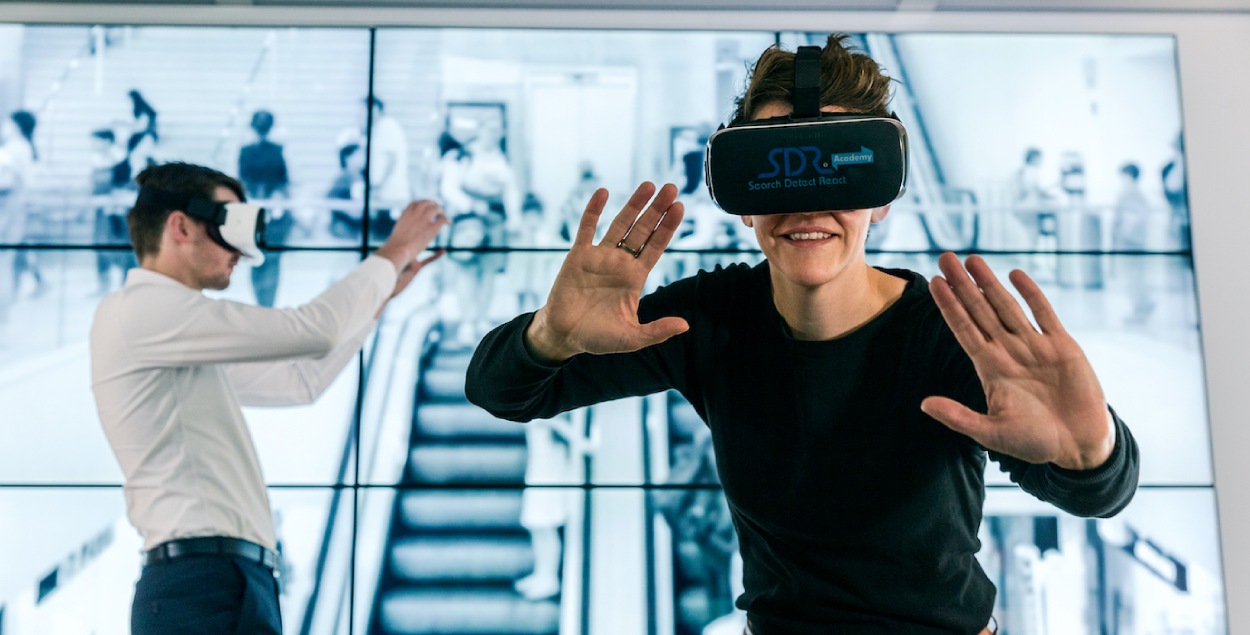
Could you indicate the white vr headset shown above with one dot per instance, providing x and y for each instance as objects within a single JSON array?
[{"x": 239, "y": 227}]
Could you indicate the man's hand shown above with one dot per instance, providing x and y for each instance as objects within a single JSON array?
[
  {"x": 593, "y": 304},
  {"x": 416, "y": 228},
  {"x": 1045, "y": 403}
]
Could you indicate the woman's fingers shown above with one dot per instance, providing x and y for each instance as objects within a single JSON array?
[
  {"x": 966, "y": 331},
  {"x": 1005, "y": 305},
  {"x": 1045, "y": 314},
  {"x": 659, "y": 239},
  {"x": 625, "y": 219},
  {"x": 961, "y": 419},
  {"x": 653, "y": 333},
  {"x": 970, "y": 296},
  {"x": 590, "y": 217}
]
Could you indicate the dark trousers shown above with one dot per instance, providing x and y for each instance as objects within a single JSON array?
[{"x": 206, "y": 595}]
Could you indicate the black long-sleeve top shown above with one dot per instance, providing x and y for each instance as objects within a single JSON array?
[{"x": 855, "y": 511}]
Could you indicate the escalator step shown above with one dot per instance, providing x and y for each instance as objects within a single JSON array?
[
  {"x": 453, "y": 358},
  {"x": 468, "y": 464},
  {"x": 463, "y": 420},
  {"x": 467, "y": 509},
  {"x": 443, "y": 384},
  {"x": 413, "y": 612},
  {"x": 468, "y": 561}
]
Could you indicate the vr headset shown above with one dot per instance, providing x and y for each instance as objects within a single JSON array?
[
  {"x": 239, "y": 227},
  {"x": 808, "y": 161}
]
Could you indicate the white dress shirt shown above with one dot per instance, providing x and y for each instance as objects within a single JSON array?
[{"x": 171, "y": 368}]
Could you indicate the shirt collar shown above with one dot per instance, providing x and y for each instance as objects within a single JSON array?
[{"x": 138, "y": 275}]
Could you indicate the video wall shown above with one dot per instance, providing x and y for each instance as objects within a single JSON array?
[{"x": 400, "y": 507}]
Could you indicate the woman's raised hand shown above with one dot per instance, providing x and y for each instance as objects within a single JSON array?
[
  {"x": 1045, "y": 403},
  {"x": 593, "y": 304}
]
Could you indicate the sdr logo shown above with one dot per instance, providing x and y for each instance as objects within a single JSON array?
[{"x": 794, "y": 161}]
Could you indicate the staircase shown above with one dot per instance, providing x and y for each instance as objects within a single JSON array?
[
  {"x": 204, "y": 84},
  {"x": 456, "y": 544}
]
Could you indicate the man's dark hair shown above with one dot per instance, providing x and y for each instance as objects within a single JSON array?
[
  {"x": 1131, "y": 170},
  {"x": 147, "y": 222},
  {"x": 262, "y": 122}
]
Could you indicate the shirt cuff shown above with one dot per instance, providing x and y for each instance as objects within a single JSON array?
[
  {"x": 1109, "y": 469},
  {"x": 522, "y": 351},
  {"x": 379, "y": 263}
]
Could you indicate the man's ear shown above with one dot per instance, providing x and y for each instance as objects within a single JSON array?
[
  {"x": 178, "y": 226},
  {"x": 878, "y": 214},
  {"x": 748, "y": 221}
]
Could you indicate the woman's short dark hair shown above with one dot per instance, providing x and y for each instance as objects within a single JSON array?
[
  {"x": 346, "y": 153},
  {"x": 850, "y": 79},
  {"x": 147, "y": 222},
  {"x": 25, "y": 122}
]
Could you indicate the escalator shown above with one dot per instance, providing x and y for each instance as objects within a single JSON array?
[
  {"x": 703, "y": 539},
  {"x": 455, "y": 544},
  {"x": 947, "y": 215}
]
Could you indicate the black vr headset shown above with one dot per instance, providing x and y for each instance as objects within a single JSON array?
[
  {"x": 808, "y": 161},
  {"x": 239, "y": 227}
]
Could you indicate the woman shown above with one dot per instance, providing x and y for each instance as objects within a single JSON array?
[
  {"x": 842, "y": 399},
  {"x": 17, "y": 161}
]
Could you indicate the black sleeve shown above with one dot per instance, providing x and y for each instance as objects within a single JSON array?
[
  {"x": 1102, "y": 491},
  {"x": 504, "y": 378}
]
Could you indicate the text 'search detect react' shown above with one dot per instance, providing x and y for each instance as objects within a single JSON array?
[
  {"x": 808, "y": 161},
  {"x": 239, "y": 227}
]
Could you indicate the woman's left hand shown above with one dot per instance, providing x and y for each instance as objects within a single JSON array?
[{"x": 1045, "y": 403}]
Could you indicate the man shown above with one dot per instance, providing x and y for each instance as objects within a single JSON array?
[
  {"x": 170, "y": 369},
  {"x": 262, "y": 170}
]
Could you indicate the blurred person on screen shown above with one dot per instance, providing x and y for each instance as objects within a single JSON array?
[
  {"x": 348, "y": 185},
  {"x": 1036, "y": 202},
  {"x": 480, "y": 190},
  {"x": 110, "y": 214},
  {"x": 17, "y": 163},
  {"x": 262, "y": 170},
  {"x": 1133, "y": 218},
  {"x": 1175, "y": 190},
  {"x": 852, "y": 409},
  {"x": 389, "y": 184},
  {"x": 171, "y": 368}
]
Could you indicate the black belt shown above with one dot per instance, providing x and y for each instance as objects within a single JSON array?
[{"x": 208, "y": 546}]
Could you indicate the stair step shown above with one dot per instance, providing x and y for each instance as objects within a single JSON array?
[
  {"x": 443, "y": 384},
  {"x": 467, "y": 510},
  {"x": 465, "y": 421},
  {"x": 451, "y": 358},
  {"x": 468, "y": 463},
  {"x": 413, "y": 612},
  {"x": 445, "y": 559}
]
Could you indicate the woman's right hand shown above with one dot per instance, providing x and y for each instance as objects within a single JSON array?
[{"x": 593, "y": 304}]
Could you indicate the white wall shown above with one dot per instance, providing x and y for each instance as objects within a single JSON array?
[{"x": 1214, "y": 50}]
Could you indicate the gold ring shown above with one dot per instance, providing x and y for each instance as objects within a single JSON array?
[{"x": 630, "y": 250}]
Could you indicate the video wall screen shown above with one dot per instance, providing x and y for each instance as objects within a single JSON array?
[{"x": 401, "y": 507}]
